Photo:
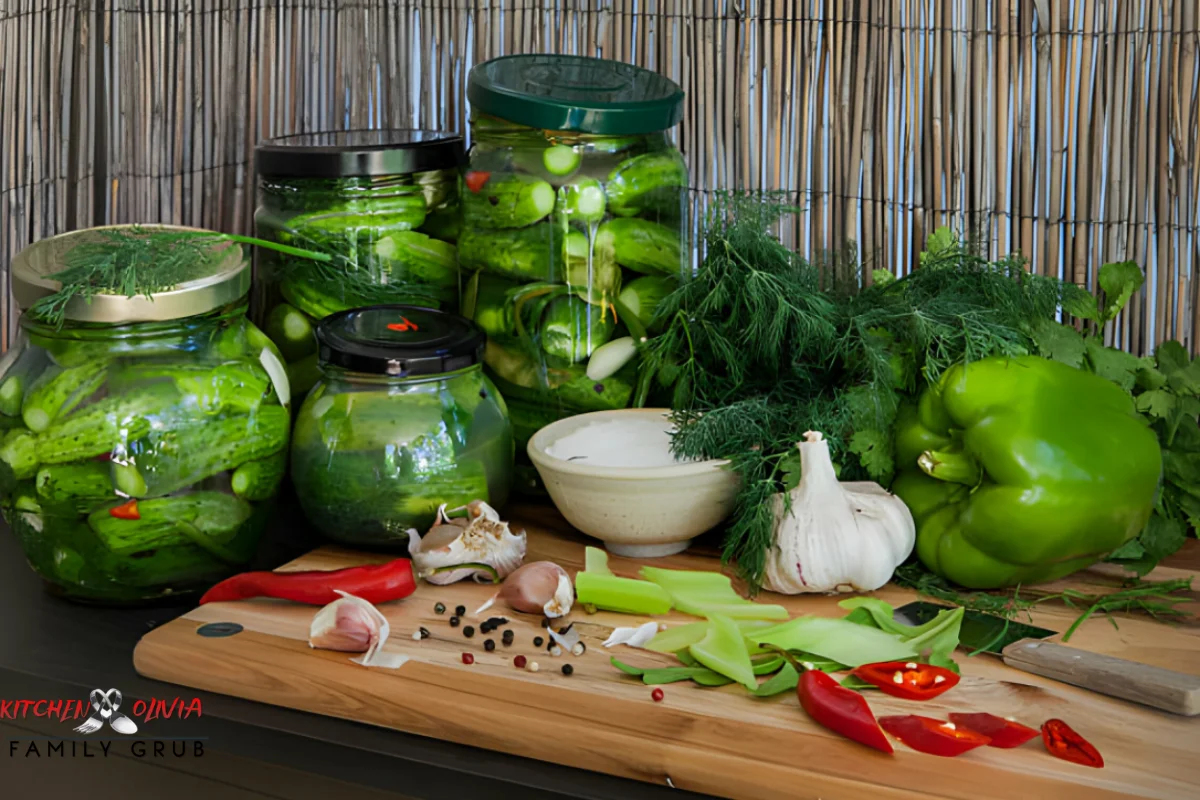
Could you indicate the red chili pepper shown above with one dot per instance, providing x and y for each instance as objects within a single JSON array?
[
  {"x": 1063, "y": 742},
  {"x": 375, "y": 583},
  {"x": 908, "y": 679},
  {"x": 840, "y": 710},
  {"x": 128, "y": 510},
  {"x": 933, "y": 736},
  {"x": 103, "y": 457},
  {"x": 1002, "y": 732},
  {"x": 475, "y": 179}
]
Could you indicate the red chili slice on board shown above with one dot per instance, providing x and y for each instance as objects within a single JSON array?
[
  {"x": 908, "y": 679},
  {"x": 840, "y": 710},
  {"x": 1063, "y": 742},
  {"x": 1003, "y": 732},
  {"x": 933, "y": 736},
  {"x": 475, "y": 179}
]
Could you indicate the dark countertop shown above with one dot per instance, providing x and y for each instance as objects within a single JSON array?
[{"x": 51, "y": 648}]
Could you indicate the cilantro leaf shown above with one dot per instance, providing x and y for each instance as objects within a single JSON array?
[
  {"x": 1158, "y": 403},
  {"x": 1116, "y": 365},
  {"x": 1119, "y": 281},
  {"x": 1059, "y": 342},
  {"x": 874, "y": 451},
  {"x": 1182, "y": 373},
  {"x": 1160, "y": 538},
  {"x": 882, "y": 277},
  {"x": 1081, "y": 304},
  {"x": 939, "y": 241}
]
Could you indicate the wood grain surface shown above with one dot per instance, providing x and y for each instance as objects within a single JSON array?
[{"x": 718, "y": 741}]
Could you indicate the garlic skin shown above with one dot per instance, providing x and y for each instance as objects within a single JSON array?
[
  {"x": 836, "y": 537},
  {"x": 482, "y": 538}
]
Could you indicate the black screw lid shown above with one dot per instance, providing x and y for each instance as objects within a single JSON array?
[
  {"x": 361, "y": 153},
  {"x": 399, "y": 340}
]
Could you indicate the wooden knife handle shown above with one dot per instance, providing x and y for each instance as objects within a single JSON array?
[{"x": 1153, "y": 686}]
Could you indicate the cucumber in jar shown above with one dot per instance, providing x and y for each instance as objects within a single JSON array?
[
  {"x": 642, "y": 246},
  {"x": 651, "y": 183},
  {"x": 507, "y": 201}
]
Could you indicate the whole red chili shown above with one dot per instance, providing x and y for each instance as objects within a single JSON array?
[
  {"x": 840, "y": 710},
  {"x": 934, "y": 736},
  {"x": 475, "y": 179},
  {"x": 1003, "y": 732},
  {"x": 908, "y": 679},
  {"x": 128, "y": 510},
  {"x": 1063, "y": 742},
  {"x": 375, "y": 583}
]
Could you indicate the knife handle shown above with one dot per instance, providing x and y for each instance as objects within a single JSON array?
[{"x": 1161, "y": 688}]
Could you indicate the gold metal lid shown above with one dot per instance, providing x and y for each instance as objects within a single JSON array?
[{"x": 218, "y": 282}]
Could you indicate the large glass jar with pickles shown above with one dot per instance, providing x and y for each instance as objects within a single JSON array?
[
  {"x": 145, "y": 418},
  {"x": 574, "y": 229},
  {"x": 383, "y": 202}
]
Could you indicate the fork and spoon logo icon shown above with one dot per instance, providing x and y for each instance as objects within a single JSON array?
[{"x": 105, "y": 707}]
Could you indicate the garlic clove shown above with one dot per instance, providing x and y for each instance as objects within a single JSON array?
[
  {"x": 352, "y": 624},
  {"x": 540, "y": 587}
]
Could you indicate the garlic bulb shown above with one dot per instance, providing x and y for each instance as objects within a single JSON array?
[
  {"x": 836, "y": 537},
  {"x": 481, "y": 538}
]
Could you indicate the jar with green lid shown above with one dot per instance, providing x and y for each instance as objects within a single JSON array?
[
  {"x": 146, "y": 419},
  {"x": 402, "y": 420},
  {"x": 574, "y": 229},
  {"x": 385, "y": 202}
]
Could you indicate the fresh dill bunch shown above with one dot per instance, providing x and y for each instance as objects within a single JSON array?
[{"x": 130, "y": 262}]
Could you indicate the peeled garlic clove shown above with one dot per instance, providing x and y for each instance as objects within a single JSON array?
[
  {"x": 483, "y": 539},
  {"x": 542, "y": 587}
]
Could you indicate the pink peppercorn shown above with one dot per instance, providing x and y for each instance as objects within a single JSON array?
[
  {"x": 519, "y": 662},
  {"x": 468, "y": 658},
  {"x": 657, "y": 695}
]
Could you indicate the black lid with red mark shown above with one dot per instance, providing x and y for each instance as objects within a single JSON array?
[{"x": 399, "y": 340}]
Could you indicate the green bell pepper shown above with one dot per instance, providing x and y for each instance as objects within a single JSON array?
[{"x": 1023, "y": 470}]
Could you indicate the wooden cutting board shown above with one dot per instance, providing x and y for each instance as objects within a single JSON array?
[{"x": 717, "y": 741}]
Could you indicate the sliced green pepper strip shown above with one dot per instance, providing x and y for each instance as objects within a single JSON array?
[
  {"x": 709, "y": 594},
  {"x": 837, "y": 640},
  {"x": 723, "y": 650}
]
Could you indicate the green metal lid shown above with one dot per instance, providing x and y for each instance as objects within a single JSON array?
[{"x": 574, "y": 93}]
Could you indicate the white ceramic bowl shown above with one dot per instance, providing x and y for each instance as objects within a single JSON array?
[{"x": 643, "y": 512}]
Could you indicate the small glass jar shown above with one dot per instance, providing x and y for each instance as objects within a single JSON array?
[
  {"x": 574, "y": 229},
  {"x": 383, "y": 203},
  {"x": 401, "y": 421},
  {"x": 145, "y": 436}
]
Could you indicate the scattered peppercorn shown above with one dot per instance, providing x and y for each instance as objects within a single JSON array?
[
  {"x": 507, "y": 638},
  {"x": 563, "y": 630},
  {"x": 467, "y": 658},
  {"x": 489, "y": 645},
  {"x": 567, "y": 669},
  {"x": 485, "y": 628},
  {"x": 555, "y": 650},
  {"x": 538, "y": 641},
  {"x": 439, "y": 608},
  {"x": 468, "y": 631},
  {"x": 460, "y": 611},
  {"x": 578, "y": 649},
  {"x": 424, "y": 633},
  {"x": 519, "y": 662},
  {"x": 454, "y": 622},
  {"x": 496, "y": 622},
  {"x": 533, "y": 666},
  {"x": 657, "y": 695},
  {"x": 545, "y": 622}
]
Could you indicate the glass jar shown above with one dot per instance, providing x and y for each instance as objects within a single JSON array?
[
  {"x": 384, "y": 204},
  {"x": 145, "y": 436},
  {"x": 402, "y": 420},
  {"x": 574, "y": 229}
]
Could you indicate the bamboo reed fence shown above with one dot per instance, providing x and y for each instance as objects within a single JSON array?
[{"x": 1063, "y": 129}]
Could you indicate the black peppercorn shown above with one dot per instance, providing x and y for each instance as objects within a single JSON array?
[
  {"x": 567, "y": 669},
  {"x": 489, "y": 645},
  {"x": 545, "y": 622},
  {"x": 439, "y": 608},
  {"x": 468, "y": 631},
  {"x": 454, "y": 622},
  {"x": 424, "y": 633},
  {"x": 460, "y": 611},
  {"x": 485, "y": 628},
  {"x": 496, "y": 622},
  {"x": 538, "y": 641},
  {"x": 507, "y": 638}
]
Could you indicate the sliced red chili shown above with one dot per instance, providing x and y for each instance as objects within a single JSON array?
[
  {"x": 1003, "y": 732},
  {"x": 475, "y": 179},
  {"x": 840, "y": 710},
  {"x": 1063, "y": 742},
  {"x": 933, "y": 736},
  {"x": 908, "y": 679},
  {"x": 127, "y": 510}
]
